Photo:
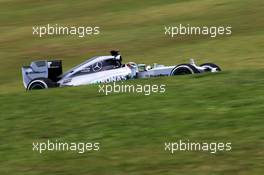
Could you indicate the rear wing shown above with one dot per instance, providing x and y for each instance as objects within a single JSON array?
[{"x": 41, "y": 69}]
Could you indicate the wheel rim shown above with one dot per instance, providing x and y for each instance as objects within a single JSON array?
[
  {"x": 208, "y": 68},
  {"x": 182, "y": 71},
  {"x": 37, "y": 86}
]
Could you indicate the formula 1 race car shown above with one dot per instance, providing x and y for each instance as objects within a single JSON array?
[{"x": 101, "y": 69}]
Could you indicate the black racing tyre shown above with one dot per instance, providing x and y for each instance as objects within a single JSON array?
[
  {"x": 41, "y": 83},
  {"x": 184, "y": 69},
  {"x": 209, "y": 66}
]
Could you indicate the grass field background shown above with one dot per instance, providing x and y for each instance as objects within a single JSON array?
[{"x": 132, "y": 128}]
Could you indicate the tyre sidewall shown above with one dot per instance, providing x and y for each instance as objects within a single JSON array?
[
  {"x": 211, "y": 66},
  {"x": 188, "y": 67},
  {"x": 37, "y": 82}
]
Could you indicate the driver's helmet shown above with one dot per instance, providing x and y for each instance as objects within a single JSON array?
[{"x": 116, "y": 54}]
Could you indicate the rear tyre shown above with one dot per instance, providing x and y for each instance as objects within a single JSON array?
[
  {"x": 210, "y": 66},
  {"x": 41, "y": 83},
  {"x": 184, "y": 69}
]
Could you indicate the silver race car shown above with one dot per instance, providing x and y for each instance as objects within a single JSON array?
[{"x": 101, "y": 69}]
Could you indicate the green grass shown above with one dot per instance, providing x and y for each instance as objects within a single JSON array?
[{"x": 132, "y": 128}]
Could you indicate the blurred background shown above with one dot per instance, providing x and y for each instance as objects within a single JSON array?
[{"x": 132, "y": 128}]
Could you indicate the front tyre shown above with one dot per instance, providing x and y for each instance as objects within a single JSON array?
[
  {"x": 211, "y": 67},
  {"x": 184, "y": 69},
  {"x": 40, "y": 83}
]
